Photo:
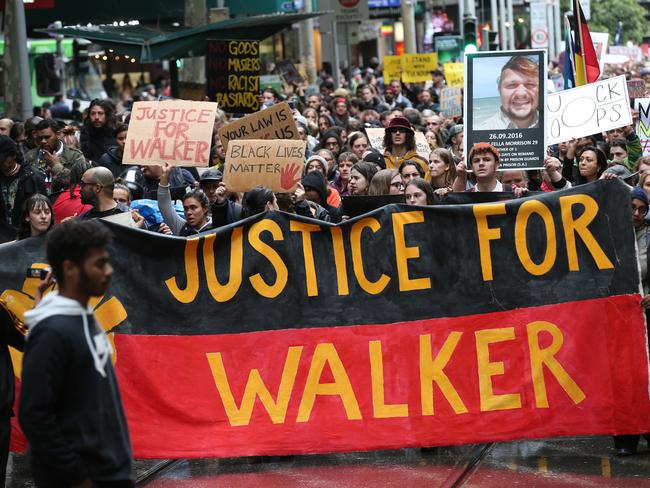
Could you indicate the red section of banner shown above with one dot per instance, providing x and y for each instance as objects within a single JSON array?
[{"x": 422, "y": 383}]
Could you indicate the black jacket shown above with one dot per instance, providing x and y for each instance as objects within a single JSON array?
[
  {"x": 70, "y": 406},
  {"x": 9, "y": 336},
  {"x": 111, "y": 160},
  {"x": 30, "y": 182},
  {"x": 95, "y": 142}
]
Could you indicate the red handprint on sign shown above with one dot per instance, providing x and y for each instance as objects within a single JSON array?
[{"x": 288, "y": 176}]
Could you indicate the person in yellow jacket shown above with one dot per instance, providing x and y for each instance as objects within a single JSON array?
[{"x": 399, "y": 144}]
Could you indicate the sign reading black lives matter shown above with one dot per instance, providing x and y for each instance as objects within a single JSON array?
[
  {"x": 233, "y": 74},
  {"x": 504, "y": 91}
]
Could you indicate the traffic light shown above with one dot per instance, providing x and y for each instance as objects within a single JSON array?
[{"x": 470, "y": 41}]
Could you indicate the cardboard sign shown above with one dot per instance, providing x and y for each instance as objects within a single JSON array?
[
  {"x": 418, "y": 67},
  {"x": 454, "y": 74},
  {"x": 600, "y": 40},
  {"x": 275, "y": 164},
  {"x": 588, "y": 109},
  {"x": 376, "y": 139},
  {"x": 392, "y": 69},
  {"x": 642, "y": 105},
  {"x": 178, "y": 132},
  {"x": 233, "y": 75},
  {"x": 275, "y": 122},
  {"x": 451, "y": 101},
  {"x": 636, "y": 88},
  {"x": 513, "y": 121}
]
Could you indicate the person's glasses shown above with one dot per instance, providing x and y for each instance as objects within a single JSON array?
[
  {"x": 83, "y": 183},
  {"x": 398, "y": 131},
  {"x": 643, "y": 210}
]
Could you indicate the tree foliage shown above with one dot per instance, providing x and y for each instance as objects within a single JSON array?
[{"x": 606, "y": 14}]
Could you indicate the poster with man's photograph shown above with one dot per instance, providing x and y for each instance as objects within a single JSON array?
[{"x": 505, "y": 96}]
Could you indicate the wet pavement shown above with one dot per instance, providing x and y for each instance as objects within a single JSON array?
[{"x": 561, "y": 462}]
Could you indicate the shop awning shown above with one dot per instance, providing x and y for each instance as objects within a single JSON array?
[{"x": 148, "y": 45}]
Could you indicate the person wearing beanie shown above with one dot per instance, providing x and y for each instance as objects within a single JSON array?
[
  {"x": 399, "y": 145},
  {"x": 318, "y": 163},
  {"x": 18, "y": 182},
  {"x": 311, "y": 198}
]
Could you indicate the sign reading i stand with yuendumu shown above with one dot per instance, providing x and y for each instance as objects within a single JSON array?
[
  {"x": 233, "y": 74},
  {"x": 505, "y": 96}
]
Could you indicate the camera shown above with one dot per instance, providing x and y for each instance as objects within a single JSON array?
[{"x": 39, "y": 273}]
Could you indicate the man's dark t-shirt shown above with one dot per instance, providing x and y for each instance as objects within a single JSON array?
[{"x": 94, "y": 214}]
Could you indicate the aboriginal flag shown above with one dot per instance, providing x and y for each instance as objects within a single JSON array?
[{"x": 587, "y": 68}]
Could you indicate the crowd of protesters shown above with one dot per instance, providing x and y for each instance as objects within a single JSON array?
[{"x": 54, "y": 170}]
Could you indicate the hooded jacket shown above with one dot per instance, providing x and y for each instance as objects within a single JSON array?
[{"x": 70, "y": 406}]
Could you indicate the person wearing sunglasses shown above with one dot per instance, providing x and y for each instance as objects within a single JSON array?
[{"x": 399, "y": 144}]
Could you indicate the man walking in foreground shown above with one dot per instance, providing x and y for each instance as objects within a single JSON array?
[{"x": 70, "y": 406}]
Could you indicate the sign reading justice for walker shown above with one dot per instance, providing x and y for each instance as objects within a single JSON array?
[{"x": 178, "y": 132}]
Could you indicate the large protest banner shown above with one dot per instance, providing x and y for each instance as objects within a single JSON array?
[
  {"x": 642, "y": 105},
  {"x": 233, "y": 74},
  {"x": 274, "y": 163},
  {"x": 178, "y": 132},
  {"x": 589, "y": 109},
  {"x": 504, "y": 91},
  {"x": 403, "y": 327},
  {"x": 275, "y": 122}
]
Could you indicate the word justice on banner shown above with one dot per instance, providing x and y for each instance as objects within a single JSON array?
[{"x": 245, "y": 324}]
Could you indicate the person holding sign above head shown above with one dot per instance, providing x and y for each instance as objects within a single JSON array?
[
  {"x": 519, "y": 92},
  {"x": 196, "y": 208},
  {"x": 399, "y": 144}
]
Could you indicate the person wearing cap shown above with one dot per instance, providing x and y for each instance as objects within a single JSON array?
[
  {"x": 318, "y": 163},
  {"x": 375, "y": 158},
  {"x": 18, "y": 182},
  {"x": 341, "y": 111},
  {"x": 455, "y": 137},
  {"x": 311, "y": 199},
  {"x": 209, "y": 183},
  {"x": 399, "y": 145},
  {"x": 484, "y": 160}
]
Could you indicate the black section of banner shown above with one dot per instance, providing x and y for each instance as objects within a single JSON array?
[{"x": 449, "y": 267}]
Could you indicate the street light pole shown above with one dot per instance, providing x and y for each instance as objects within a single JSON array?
[
  {"x": 17, "y": 79},
  {"x": 306, "y": 28},
  {"x": 408, "y": 21}
]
